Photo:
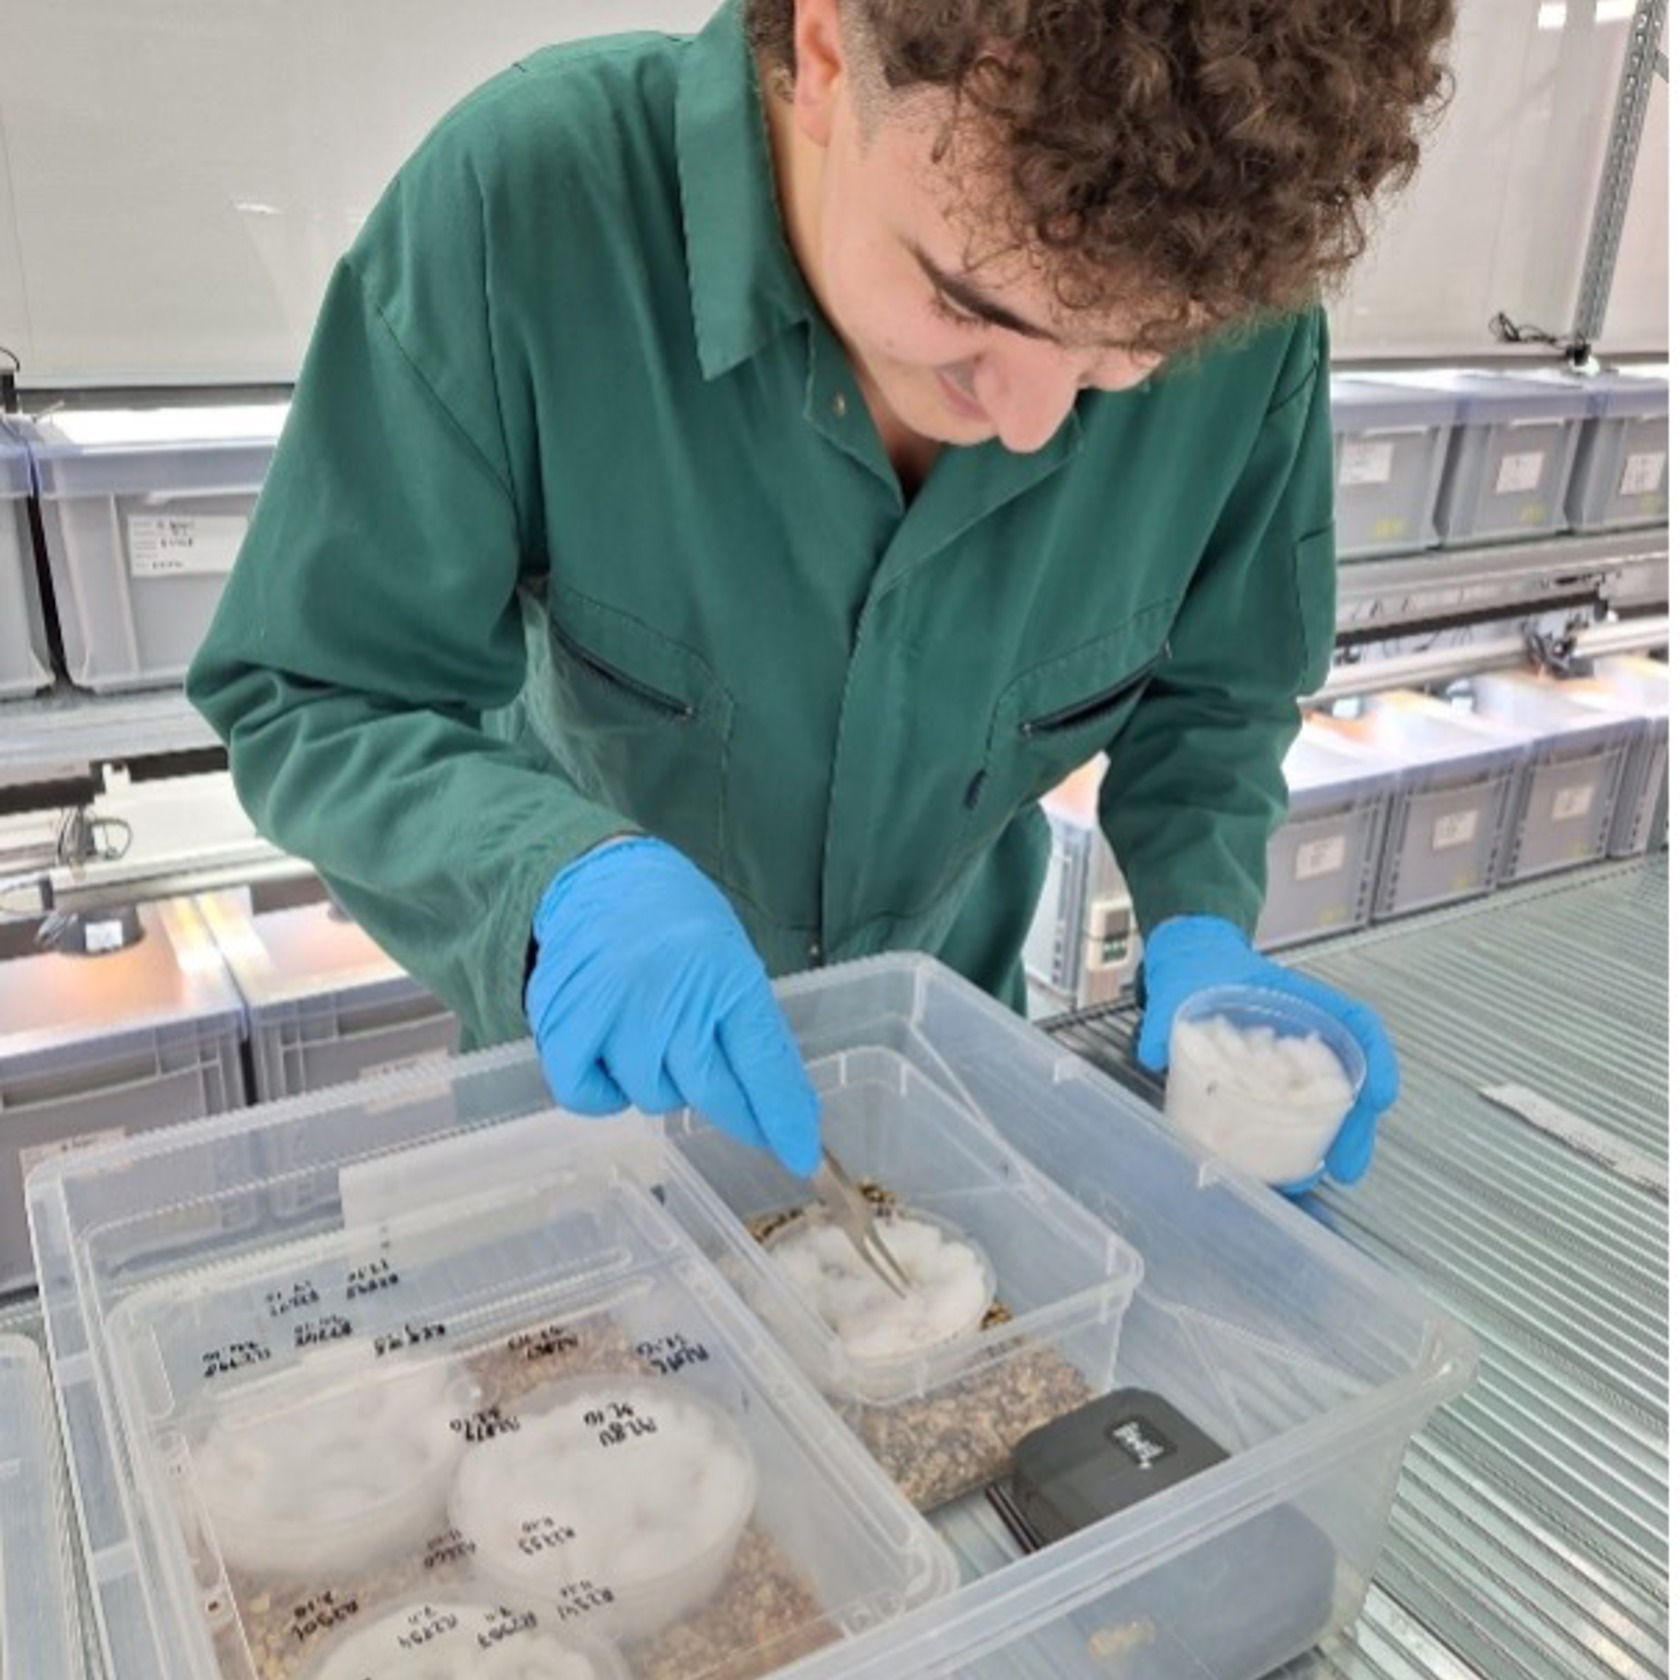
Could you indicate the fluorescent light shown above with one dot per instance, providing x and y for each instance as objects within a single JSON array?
[
  {"x": 104, "y": 428},
  {"x": 1554, "y": 14}
]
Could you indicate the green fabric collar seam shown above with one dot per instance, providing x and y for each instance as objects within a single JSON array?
[{"x": 743, "y": 285}]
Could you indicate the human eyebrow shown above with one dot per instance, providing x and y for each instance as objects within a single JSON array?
[{"x": 975, "y": 301}]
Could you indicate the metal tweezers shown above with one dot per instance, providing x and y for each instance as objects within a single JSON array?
[{"x": 849, "y": 1208}]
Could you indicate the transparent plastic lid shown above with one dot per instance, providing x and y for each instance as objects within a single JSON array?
[
  {"x": 1414, "y": 729},
  {"x": 1490, "y": 398},
  {"x": 1319, "y": 759},
  {"x": 1539, "y": 707},
  {"x": 50, "y": 998},
  {"x": 14, "y": 466},
  {"x": 39, "y": 1628},
  {"x": 1363, "y": 405},
  {"x": 534, "y": 1414}
]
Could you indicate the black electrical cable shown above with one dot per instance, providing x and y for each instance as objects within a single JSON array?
[
  {"x": 1576, "y": 351},
  {"x": 8, "y": 382}
]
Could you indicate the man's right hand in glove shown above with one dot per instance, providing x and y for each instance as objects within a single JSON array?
[{"x": 646, "y": 991}]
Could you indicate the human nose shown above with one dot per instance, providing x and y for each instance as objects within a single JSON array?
[{"x": 1027, "y": 398}]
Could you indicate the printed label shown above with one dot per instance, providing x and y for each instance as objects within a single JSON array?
[
  {"x": 1320, "y": 857},
  {"x": 453, "y": 1547},
  {"x": 1457, "y": 828},
  {"x": 292, "y": 1298},
  {"x": 1518, "y": 474},
  {"x": 29, "y": 1159},
  {"x": 1643, "y": 473},
  {"x": 669, "y": 1354},
  {"x": 370, "y": 1279},
  {"x": 236, "y": 1356},
  {"x": 1572, "y": 802},
  {"x": 170, "y": 545},
  {"x": 332, "y": 1327},
  {"x": 101, "y": 937},
  {"x": 1143, "y": 1444},
  {"x": 1366, "y": 461},
  {"x": 411, "y": 1335}
]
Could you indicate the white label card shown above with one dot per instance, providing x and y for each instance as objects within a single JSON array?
[
  {"x": 1518, "y": 474},
  {"x": 29, "y": 1159},
  {"x": 1320, "y": 857},
  {"x": 1366, "y": 461},
  {"x": 1572, "y": 802},
  {"x": 1456, "y": 828},
  {"x": 170, "y": 545},
  {"x": 1643, "y": 474}
]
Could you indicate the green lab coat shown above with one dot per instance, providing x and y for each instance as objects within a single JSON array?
[{"x": 579, "y": 524}]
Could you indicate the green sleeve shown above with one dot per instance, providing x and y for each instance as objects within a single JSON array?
[
  {"x": 1195, "y": 784},
  {"x": 372, "y": 621}
]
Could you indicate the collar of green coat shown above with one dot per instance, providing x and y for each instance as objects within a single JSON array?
[{"x": 743, "y": 282}]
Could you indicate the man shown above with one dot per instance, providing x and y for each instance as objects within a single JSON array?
[{"x": 732, "y": 479}]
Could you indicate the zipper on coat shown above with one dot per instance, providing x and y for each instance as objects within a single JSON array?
[
  {"x": 614, "y": 678},
  {"x": 1088, "y": 711}
]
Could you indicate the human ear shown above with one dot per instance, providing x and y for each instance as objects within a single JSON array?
[{"x": 819, "y": 67}]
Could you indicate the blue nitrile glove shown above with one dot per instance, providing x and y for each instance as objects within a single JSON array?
[
  {"x": 647, "y": 991},
  {"x": 1191, "y": 953}
]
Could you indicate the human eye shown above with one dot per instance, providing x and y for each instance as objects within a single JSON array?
[{"x": 946, "y": 310}]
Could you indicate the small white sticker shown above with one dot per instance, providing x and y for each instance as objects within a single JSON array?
[
  {"x": 1367, "y": 461},
  {"x": 1320, "y": 857},
  {"x": 1519, "y": 474},
  {"x": 101, "y": 937},
  {"x": 1572, "y": 802},
  {"x": 1643, "y": 474},
  {"x": 170, "y": 545},
  {"x": 29, "y": 1159},
  {"x": 1456, "y": 828}
]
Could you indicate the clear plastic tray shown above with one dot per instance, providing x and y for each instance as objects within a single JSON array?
[
  {"x": 944, "y": 1420},
  {"x": 539, "y": 1402},
  {"x": 1307, "y": 1363},
  {"x": 39, "y": 1628}
]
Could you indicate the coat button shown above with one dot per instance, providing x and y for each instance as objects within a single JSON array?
[
  {"x": 839, "y": 405},
  {"x": 815, "y": 952}
]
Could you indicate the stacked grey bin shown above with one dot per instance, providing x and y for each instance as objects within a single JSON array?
[
  {"x": 143, "y": 514},
  {"x": 1621, "y": 469},
  {"x": 1635, "y": 689},
  {"x": 1391, "y": 449},
  {"x": 96, "y": 1048},
  {"x": 1452, "y": 805},
  {"x": 1571, "y": 780},
  {"x": 323, "y": 1004},
  {"x": 24, "y": 666},
  {"x": 1322, "y": 862},
  {"x": 1513, "y": 446}
]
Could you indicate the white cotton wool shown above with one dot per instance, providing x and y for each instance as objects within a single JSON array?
[
  {"x": 639, "y": 1487},
  {"x": 450, "y": 1641},
  {"x": 951, "y": 1284},
  {"x": 1268, "y": 1103},
  {"x": 331, "y": 1464}
]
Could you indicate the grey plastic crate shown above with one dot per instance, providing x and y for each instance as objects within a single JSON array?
[
  {"x": 323, "y": 1004},
  {"x": 1635, "y": 689},
  {"x": 1570, "y": 782},
  {"x": 1621, "y": 469},
  {"x": 143, "y": 515},
  {"x": 1391, "y": 449},
  {"x": 1451, "y": 810},
  {"x": 1083, "y": 945},
  {"x": 1322, "y": 862},
  {"x": 95, "y": 1049},
  {"x": 1513, "y": 446},
  {"x": 24, "y": 665}
]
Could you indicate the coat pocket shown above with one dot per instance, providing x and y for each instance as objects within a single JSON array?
[
  {"x": 1057, "y": 716},
  {"x": 638, "y": 721}
]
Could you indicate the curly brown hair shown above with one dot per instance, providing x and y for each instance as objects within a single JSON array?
[{"x": 1198, "y": 163}]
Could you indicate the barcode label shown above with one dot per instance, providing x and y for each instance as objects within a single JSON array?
[
  {"x": 1320, "y": 857},
  {"x": 179, "y": 545},
  {"x": 1518, "y": 474},
  {"x": 1457, "y": 828},
  {"x": 1643, "y": 473},
  {"x": 1572, "y": 802},
  {"x": 1366, "y": 461}
]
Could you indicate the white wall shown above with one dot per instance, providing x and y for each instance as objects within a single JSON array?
[{"x": 178, "y": 176}]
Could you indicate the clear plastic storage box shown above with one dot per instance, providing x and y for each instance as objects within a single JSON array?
[
  {"x": 1621, "y": 469},
  {"x": 1452, "y": 806},
  {"x": 1321, "y": 864},
  {"x": 143, "y": 513},
  {"x": 484, "y": 1240},
  {"x": 96, "y": 1048},
  {"x": 1566, "y": 795},
  {"x": 40, "y": 1630},
  {"x": 1391, "y": 448},
  {"x": 323, "y": 1003},
  {"x": 1513, "y": 447},
  {"x": 24, "y": 664}
]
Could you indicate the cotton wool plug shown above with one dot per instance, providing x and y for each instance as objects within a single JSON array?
[
  {"x": 449, "y": 1641},
  {"x": 633, "y": 1485},
  {"x": 950, "y": 1284}
]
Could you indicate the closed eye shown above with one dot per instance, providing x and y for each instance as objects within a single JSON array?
[{"x": 948, "y": 311}]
